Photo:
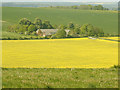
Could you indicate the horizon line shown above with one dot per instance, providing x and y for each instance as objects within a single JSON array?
[{"x": 60, "y": 1}]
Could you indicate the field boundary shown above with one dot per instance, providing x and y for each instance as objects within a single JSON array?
[{"x": 110, "y": 39}]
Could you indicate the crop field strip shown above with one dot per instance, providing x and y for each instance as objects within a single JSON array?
[
  {"x": 116, "y": 39},
  {"x": 59, "y": 53}
]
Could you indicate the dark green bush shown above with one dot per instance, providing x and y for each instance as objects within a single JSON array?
[
  {"x": 9, "y": 38},
  {"x": 116, "y": 66},
  {"x": 4, "y": 38},
  {"x": 21, "y": 38}
]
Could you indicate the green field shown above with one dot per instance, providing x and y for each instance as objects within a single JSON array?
[
  {"x": 106, "y": 20},
  {"x": 60, "y": 78}
]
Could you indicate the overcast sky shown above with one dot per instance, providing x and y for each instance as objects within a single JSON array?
[{"x": 59, "y": 0}]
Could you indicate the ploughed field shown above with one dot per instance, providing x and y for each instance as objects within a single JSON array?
[{"x": 59, "y": 53}]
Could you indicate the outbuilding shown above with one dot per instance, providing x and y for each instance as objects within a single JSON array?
[{"x": 48, "y": 32}]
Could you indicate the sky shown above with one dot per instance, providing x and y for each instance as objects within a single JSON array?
[{"x": 59, "y": 0}]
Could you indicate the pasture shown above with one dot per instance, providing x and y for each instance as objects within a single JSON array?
[
  {"x": 59, "y": 53},
  {"x": 106, "y": 20},
  {"x": 59, "y": 78}
]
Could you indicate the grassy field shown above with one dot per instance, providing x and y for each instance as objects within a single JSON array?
[
  {"x": 59, "y": 53},
  {"x": 60, "y": 78},
  {"x": 107, "y": 20}
]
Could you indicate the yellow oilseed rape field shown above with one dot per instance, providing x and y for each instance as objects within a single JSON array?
[
  {"x": 59, "y": 53},
  {"x": 112, "y": 38}
]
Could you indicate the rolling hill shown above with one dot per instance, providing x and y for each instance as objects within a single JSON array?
[{"x": 106, "y": 20}]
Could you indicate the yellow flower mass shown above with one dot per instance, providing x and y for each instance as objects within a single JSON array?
[{"x": 59, "y": 53}]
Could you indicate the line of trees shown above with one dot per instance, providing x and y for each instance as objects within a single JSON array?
[
  {"x": 85, "y": 7},
  {"x": 27, "y": 27},
  {"x": 78, "y": 31}
]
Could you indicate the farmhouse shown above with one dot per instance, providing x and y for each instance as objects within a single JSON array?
[{"x": 48, "y": 32}]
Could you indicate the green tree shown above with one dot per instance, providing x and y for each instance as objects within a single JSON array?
[
  {"x": 101, "y": 33},
  {"x": 71, "y": 25},
  {"x": 73, "y": 33},
  {"x": 13, "y": 28},
  {"x": 38, "y": 23},
  {"x": 87, "y": 30},
  {"x": 27, "y": 33},
  {"x": 83, "y": 30},
  {"x": 105, "y": 9},
  {"x": 62, "y": 27},
  {"x": 90, "y": 7},
  {"x": 97, "y": 31},
  {"x": 95, "y": 8},
  {"x": 34, "y": 33},
  {"x": 60, "y": 33},
  {"x": 25, "y": 21},
  {"x": 85, "y": 7},
  {"x": 55, "y": 26},
  {"x": 22, "y": 29},
  {"x": 100, "y": 7},
  {"x": 77, "y": 29},
  {"x": 32, "y": 28},
  {"x": 75, "y": 7},
  {"x": 46, "y": 25},
  {"x": 90, "y": 30}
]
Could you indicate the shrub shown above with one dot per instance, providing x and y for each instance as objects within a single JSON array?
[
  {"x": 24, "y": 21},
  {"x": 27, "y": 33},
  {"x": 21, "y": 38},
  {"x": 32, "y": 28},
  {"x": 13, "y": 38},
  {"x": 71, "y": 25},
  {"x": 31, "y": 37},
  {"x": 38, "y": 23},
  {"x": 53, "y": 37},
  {"x": 46, "y": 37},
  {"x": 116, "y": 66},
  {"x": 36, "y": 37},
  {"x": 9, "y": 38},
  {"x": 25, "y": 38},
  {"x": 4, "y": 38},
  {"x": 60, "y": 33},
  {"x": 33, "y": 33}
]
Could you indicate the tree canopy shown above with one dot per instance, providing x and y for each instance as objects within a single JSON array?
[
  {"x": 85, "y": 7},
  {"x": 27, "y": 27},
  {"x": 25, "y": 21},
  {"x": 32, "y": 28},
  {"x": 70, "y": 25},
  {"x": 60, "y": 33}
]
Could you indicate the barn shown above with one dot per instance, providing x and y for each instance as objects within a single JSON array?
[{"x": 48, "y": 32}]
